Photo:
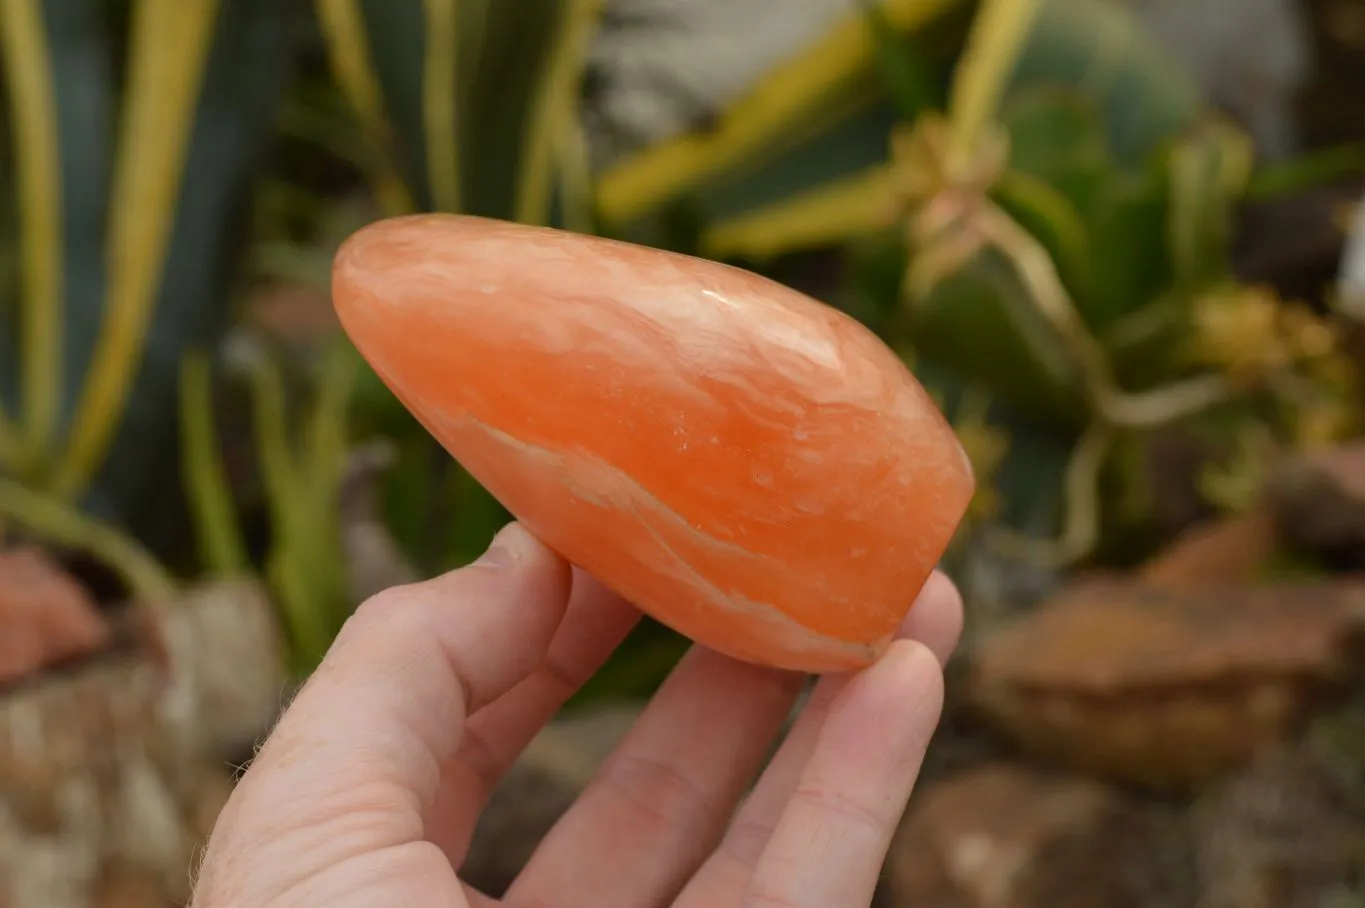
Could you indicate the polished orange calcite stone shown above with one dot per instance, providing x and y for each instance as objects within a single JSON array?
[{"x": 751, "y": 467}]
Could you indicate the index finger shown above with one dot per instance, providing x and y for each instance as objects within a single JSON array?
[{"x": 832, "y": 837}]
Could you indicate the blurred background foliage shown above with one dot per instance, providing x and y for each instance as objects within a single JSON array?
[
  {"x": 1120, "y": 241},
  {"x": 1034, "y": 201}
]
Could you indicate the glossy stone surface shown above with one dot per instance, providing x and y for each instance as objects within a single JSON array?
[{"x": 750, "y": 467}]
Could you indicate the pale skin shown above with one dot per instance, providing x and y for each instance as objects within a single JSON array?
[{"x": 368, "y": 789}]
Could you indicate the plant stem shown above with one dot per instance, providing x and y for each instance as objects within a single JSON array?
[
  {"x": 1159, "y": 406},
  {"x": 997, "y": 35},
  {"x": 1081, "y": 521}
]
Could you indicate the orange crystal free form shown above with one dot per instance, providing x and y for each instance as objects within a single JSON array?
[{"x": 749, "y": 466}]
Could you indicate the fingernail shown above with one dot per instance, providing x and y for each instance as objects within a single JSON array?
[{"x": 508, "y": 547}]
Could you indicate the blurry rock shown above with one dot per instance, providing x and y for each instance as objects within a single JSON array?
[
  {"x": 129, "y": 887},
  {"x": 1318, "y": 501},
  {"x": 1004, "y": 836},
  {"x": 1222, "y": 552},
  {"x": 1276, "y": 835},
  {"x": 1168, "y": 687},
  {"x": 46, "y": 615},
  {"x": 87, "y": 791},
  {"x": 546, "y": 780},
  {"x": 224, "y": 665},
  {"x": 111, "y": 771}
]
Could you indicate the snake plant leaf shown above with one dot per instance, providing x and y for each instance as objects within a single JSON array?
[
  {"x": 516, "y": 44},
  {"x": 27, "y": 62},
  {"x": 500, "y": 48},
  {"x": 248, "y": 69},
  {"x": 83, "y": 69},
  {"x": 393, "y": 34}
]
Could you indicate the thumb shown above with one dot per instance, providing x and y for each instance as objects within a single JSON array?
[{"x": 353, "y": 764}]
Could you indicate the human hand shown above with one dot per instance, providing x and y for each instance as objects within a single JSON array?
[{"x": 368, "y": 789}]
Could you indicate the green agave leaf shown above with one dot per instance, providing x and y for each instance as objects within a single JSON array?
[
  {"x": 981, "y": 323},
  {"x": 248, "y": 70},
  {"x": 1051, "y": 218},
  {"x": 1057, "y": 135},
  {"x": 1129, "y": 262},
  {"x": 1100, "y": 48}
]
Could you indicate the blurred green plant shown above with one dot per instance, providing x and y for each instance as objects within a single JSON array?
[
  {"x": 302, "y": 473},
  {"x": 121, "y": 250},
  {"x": 1058, "y": 238}
]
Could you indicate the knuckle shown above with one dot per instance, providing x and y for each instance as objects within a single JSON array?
[
  {"x": 746, "y": 840},
  {"x": 764, "y": 897},
  {"x": 657, "y": 790},
  {"x": 835, "y": 803}
]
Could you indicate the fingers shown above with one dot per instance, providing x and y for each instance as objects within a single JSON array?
[
  {"x": 936, "y": 621},
  {"x": 831, "y": 839},
  {"x": 354, "y": 762},
  {"x": 660, "y": 802},
  {"x": 595, "y": 624}
]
